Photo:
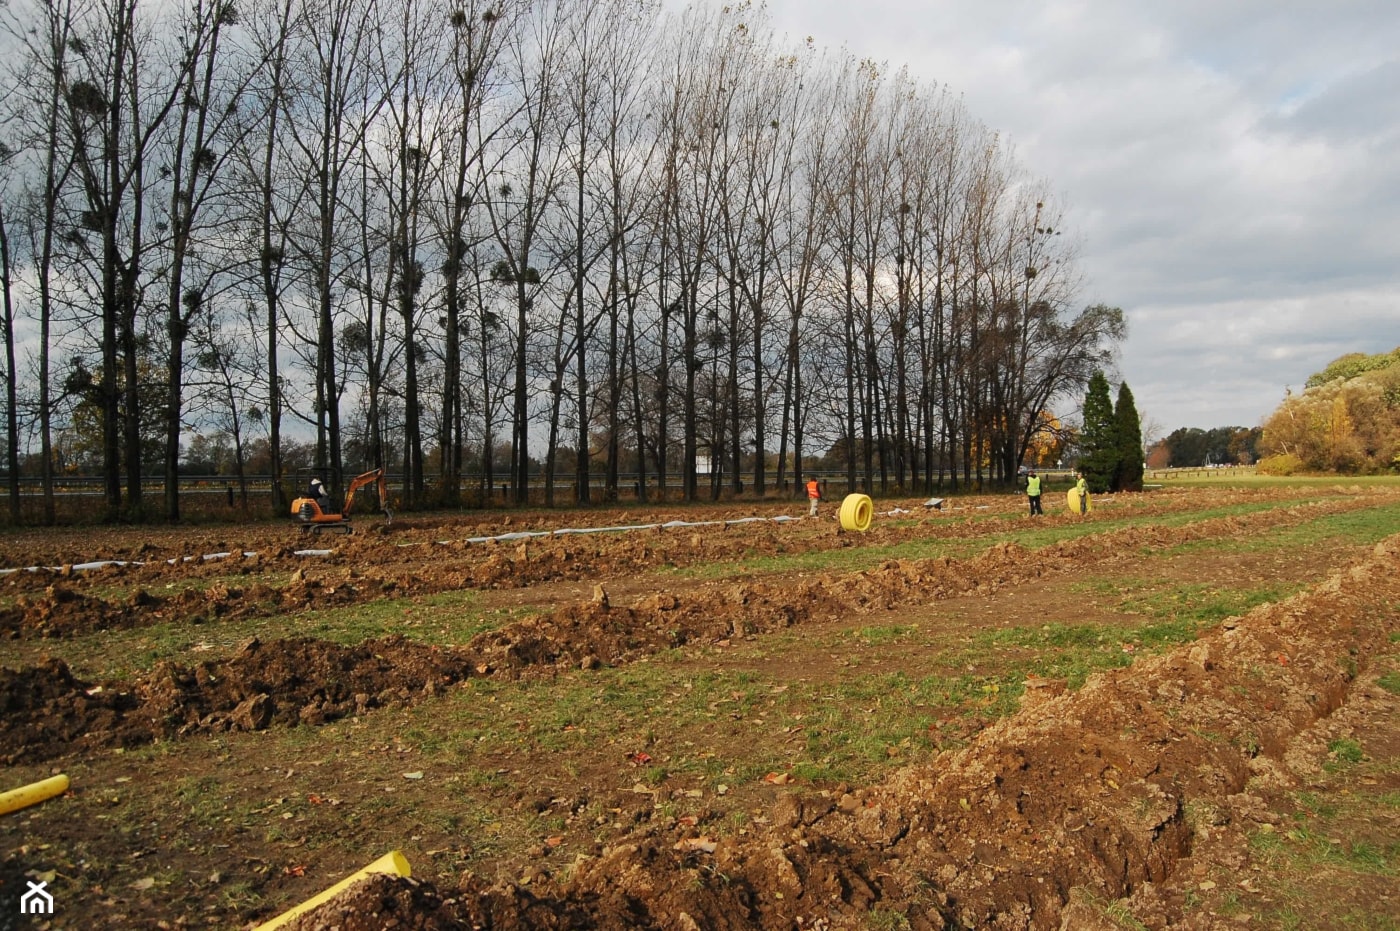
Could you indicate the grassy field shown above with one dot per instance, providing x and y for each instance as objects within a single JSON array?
[{"x": 520, "y": 778}]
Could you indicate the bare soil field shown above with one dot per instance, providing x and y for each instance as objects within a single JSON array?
[{"x": 1179, "y": 711}]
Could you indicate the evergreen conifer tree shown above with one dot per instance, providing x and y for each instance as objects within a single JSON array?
[
  {"x": 1099, "y": 447},
  {"x": 1129, "y": 426}
]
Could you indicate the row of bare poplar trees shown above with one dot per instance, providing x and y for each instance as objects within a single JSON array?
[{"x": 425, "y": 230}]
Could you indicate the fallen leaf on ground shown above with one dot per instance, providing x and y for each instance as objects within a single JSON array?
[{"x": 696, "y": 845}]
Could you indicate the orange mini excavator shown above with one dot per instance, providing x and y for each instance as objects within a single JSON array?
[{"x": 315, "y": 519}]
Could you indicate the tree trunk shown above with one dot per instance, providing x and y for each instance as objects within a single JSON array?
[{"x": 11, "y": 376}]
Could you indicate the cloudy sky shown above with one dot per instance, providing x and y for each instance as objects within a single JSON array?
[{"x": 1232, "y": 168}]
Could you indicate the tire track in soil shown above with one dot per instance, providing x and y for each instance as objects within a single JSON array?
[
  {"x": 46, "y": 712},
  {"x": 1076, "y": 798}
]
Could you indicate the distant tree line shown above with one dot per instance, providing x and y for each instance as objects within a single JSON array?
[
  {"x": 1188, "y": 447},
  {"x": 478, "y": 242}
]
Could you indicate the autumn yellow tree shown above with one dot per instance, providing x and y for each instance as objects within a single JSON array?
[
  {"x": 1048, "y": 441},
  {"x": 1346, "y": 421}
]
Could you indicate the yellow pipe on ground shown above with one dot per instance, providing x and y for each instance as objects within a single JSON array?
[
  {"x": 392, "y": 862},
  {"x": 856, "y": 511},
  {"x": 23, "y": 797}
]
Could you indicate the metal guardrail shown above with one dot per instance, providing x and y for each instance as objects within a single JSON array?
[{"x": 1221, "y": 471}]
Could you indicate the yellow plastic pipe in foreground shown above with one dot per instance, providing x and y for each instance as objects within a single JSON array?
[
  {"x": 392, "y": 862},
  {"x": 855, "y": 513},
  {"x": 23, "y": 797}
]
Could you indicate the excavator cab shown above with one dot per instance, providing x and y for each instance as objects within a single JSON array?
[{"x": 317, "y": 514}]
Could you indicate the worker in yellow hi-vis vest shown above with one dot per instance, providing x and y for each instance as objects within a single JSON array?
[
  {"x": 1078, "y": 496},
  {"x": 1033, "y": 492}
]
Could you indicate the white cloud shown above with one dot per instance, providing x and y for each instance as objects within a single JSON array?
[
  {"x": 1228, "y": 360},
  {"x": 1229, "y": 168}
]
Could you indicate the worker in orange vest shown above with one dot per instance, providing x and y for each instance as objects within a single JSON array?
[{"x": 814, "y": 495}]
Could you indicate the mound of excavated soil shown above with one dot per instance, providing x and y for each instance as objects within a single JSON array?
[
  {"x": 1078, "y": 796},
  {"x": 45, "y": 711},
  {"x": 44, "y": 707}
]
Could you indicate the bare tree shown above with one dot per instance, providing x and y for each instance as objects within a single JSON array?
[
  {"x": 858, "y": 242},
  {"x": 39, "y": 118},
  {"x": 936, "y": 222},
  {"x": 798, "y": 219},
  {"x": 523, "y": 180},
  {"x": 7, "y": 319},
  {"x": 588, "y": 26},
  {"x": 119, "y": 97},
  {"x": 422, "y": 80},
  {"x": 627, "y": 148},
  {"x": 202, "y": 121},
  {"x": 332, "y": 113},
  {"x": 702, "y": 78},
  {"x": 478, "y": 29},
  {"x": 262, "y": 166}
]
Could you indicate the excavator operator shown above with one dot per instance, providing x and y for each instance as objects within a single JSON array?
[{"x": 318, "y": 491}]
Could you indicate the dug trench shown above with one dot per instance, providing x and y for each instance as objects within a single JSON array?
[
  {"x": 411, "y": 560},
  {"x": 1079, "y": 797},
  {"x": 46, "y": 711}
]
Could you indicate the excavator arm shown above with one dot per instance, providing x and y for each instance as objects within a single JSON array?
[{"x": 363, "y": 480}]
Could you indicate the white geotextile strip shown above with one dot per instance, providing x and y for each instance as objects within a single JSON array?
[
  {"x": 103, "y": 563},
  {"x": 623, "y": 528}
]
